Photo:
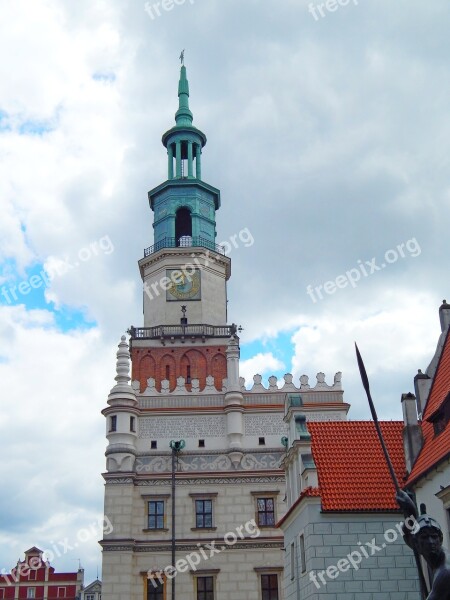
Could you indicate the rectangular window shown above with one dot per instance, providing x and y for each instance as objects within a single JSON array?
[
  {"x": 61, "y": 592},
  {"x": 269, "y": 587},
  {"x": 132, "y": 424},
  {"x": 2, "y": 593},
  {"x": 32, "y": 575},
  {"x": 113, "y": 423},
  {"x": 156, "y": 514},
  {"x": 90, "y": 597},
  {"x": 266, "y": 512},
  {"x": 31, "y": 592},
  {"x": 203, "y": 513},
  {"x": 205, "y": 588},
  {"x": 301, "y": 540},
  {"x": 155, "y": 589},
  {"x": 292, "y": 557},
  {"x": 153, "y": 444}
]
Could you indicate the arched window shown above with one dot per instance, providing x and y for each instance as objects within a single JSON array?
[{"x": 183, "y": 225}]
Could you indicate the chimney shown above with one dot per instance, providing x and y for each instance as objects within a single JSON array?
[
  {"x": 422, "y": 386},
  {"x": 412, "y": 431},
  {"x": 444, "y": 315}
]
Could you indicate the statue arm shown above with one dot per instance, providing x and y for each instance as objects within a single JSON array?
[{"x": 441, "y": 587}]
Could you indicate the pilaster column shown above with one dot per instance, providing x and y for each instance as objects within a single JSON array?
[
  {"x": 190, "y": 161},
  {"x": 178, "y": 158},
  {"x": 198, "y": 165},
  {"x": 170, "y": 160},
  {"x": 233, "y": 397}
]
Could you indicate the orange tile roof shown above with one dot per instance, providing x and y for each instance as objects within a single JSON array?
[
  {"x": 435, "y": 448},
  {"x": 352, "y": 471}
]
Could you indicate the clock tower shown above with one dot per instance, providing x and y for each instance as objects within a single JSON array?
[
  {"x": 185, "y": 272},
  {"x": 194, "y": 457}
]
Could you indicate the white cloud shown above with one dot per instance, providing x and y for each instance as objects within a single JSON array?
[{"x": 260, "y": 364}]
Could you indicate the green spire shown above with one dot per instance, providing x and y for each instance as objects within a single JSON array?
[{"x": 183, "y": 116}]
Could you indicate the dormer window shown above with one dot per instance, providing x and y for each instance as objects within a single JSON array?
[{"x": 441, "y": 417}]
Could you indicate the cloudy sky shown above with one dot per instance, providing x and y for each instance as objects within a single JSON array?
[{"x": 328, "y": 135}]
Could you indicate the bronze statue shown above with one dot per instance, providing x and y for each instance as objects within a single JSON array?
[{"x": 426, "y": 538}]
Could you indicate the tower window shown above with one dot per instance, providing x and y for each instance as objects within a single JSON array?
[
  {"x": 132, "y": 424},
  {"x": 113, "y": 423},
  {"x": 167, "y": 372},
  {"x": 153, "y": 444},
  {"x": 183, "y": 225},
  {"x": 262, "y": 441},
  {"x": 188, "y": 374}
]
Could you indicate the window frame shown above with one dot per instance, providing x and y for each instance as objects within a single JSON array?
[
  {"x": 292, "y": 557},
  {"x": 266, "y": 512},
  {"x": 206, "y": 497},
  {"x": 162, "y": 580},
  {"x": 266, "y": 494},
  {"x": 32, "y": 591},
  {"x": 64, "y": 589},
  {"x": 270, "y": 589},
  {"x": 278, "y": 571},
  {"x": 112, "y": 423},
  {"x": 132, "y": 424},
  {"x": 302, "y": 552},
  {"x": 147, "y": 498},
  {"x": 205, "y": 573},
  {"x": 157, "y": 502}
]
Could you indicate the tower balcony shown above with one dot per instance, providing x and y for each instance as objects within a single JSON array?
[
  {"x": 181, "y": 332},
  {"x": 184, "y": 242}
]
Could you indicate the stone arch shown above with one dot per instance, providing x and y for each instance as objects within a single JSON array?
[
  {"x": 167, "y": 370},
  {"x": 219, "y": 370},
  {"x": 147, "y": 368},
  {"x": 193, "y": 366}
]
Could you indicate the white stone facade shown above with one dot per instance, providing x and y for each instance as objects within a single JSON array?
[{"x": 240, "y": 462}]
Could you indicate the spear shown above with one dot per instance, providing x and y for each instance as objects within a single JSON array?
[{"x": 365, "y": 382}]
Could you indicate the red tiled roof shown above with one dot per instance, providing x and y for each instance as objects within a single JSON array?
[
  {"x": 352, "y": 471},
  {"x": 435, "y": 448}
]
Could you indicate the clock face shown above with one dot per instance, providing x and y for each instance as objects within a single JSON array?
[{"x": 185, "y": 285}]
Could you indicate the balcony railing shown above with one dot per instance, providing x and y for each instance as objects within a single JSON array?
[
  {"x": 178, "y": 331},
  {"x": 184, "y": 242}
]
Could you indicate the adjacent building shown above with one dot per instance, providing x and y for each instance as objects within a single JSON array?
[
  {"x": 341, "y": 530},
  {"x": 427, "y": 431},
  {"x": 93, "y": 591},
  {"x": 35, "y": 578},
  {"x": 194, "y": 483}
]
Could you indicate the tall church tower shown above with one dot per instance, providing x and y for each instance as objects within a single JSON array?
[{"x": 194, "y": 481}]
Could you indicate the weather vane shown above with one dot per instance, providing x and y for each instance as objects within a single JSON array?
[{"x": 182, "y": 57}]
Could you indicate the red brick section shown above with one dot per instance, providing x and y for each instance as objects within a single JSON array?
[
  {"x": 436, "y": 447},
  {"x": 173, "y": 362},
  {"x": 352, "y": 471}
]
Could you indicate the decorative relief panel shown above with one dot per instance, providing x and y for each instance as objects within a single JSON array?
[
  {"x": 202, "y": 426},
  {"x": 271, "y": 424},
  {"x": 214, "y": 462}
]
